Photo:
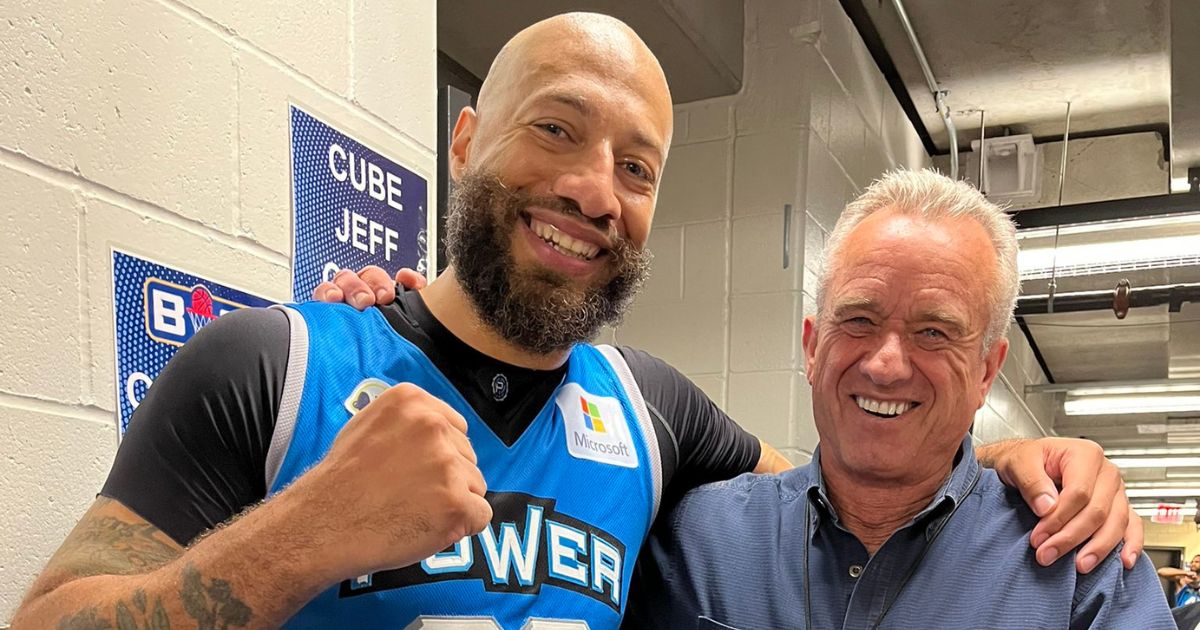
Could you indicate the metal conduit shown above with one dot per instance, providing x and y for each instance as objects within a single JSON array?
[
  {"x": 1102, "y": 300},
  {"x": 939, "y": 95}
]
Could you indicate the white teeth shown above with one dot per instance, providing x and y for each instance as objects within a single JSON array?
[
  {"x": 883, "y": 408},
  {"x": 563, "y": 243}
]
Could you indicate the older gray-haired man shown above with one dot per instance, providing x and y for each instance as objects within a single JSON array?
[{"x": 888, "y": 525}]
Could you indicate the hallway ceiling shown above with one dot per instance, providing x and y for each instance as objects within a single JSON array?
[
  {"x": 1021, "y": 61},
  {"x": 698, "y": 42}
]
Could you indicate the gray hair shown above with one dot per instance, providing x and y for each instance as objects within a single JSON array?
[{"x": 931, "y": 195}]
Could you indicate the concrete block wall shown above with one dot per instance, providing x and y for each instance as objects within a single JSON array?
[
  {"x": 1007, "y": 412},
  {"x": 158, "y": 126},
  {"x": 814, "y": 124}
]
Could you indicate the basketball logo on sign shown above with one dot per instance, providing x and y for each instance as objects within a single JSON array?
[
  {"x": 201, "y": 310},
  {"x": 173, "y": 313}
]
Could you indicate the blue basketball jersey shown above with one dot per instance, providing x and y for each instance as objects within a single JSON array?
[{"x": 572, "y": 498}]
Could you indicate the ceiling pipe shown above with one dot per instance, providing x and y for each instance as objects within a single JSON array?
[
  {"x": 1111, "y": 210},
  {"x": 1079, "y": 301},
  {"x": 982, "y": 151},
  {"x": 1062, "y": 170},
  {"x": 939, "y": 95}
]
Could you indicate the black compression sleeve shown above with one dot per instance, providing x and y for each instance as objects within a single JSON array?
[
  {"x": 196, "y": 448},
  {"x": 699, "y": 442}
]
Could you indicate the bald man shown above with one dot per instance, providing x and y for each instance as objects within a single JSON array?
[
  {"x": 473, "y": 402},
  {"x": 497, "y": 471}
]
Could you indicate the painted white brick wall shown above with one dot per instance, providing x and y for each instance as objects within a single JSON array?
[
  {"x": 814, "y": 124},
  {"x": 160, "y": 126}
]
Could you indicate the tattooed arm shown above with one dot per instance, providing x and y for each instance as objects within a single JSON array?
[
  {"x": 398, "y": 485},
  {"x": 115, "y": 570}
]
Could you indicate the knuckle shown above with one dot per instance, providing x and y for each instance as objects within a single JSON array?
[
  {"x": 430, "y": 424},
  {"x": 1095, "y": 514},
  {"x": 443, "y": 462},
  {"x": 1074, "y": 495},
  {"x": 405, "y": 391}
]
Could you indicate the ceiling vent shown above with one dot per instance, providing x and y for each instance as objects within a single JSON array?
[{"x": 1012, "y": 170}]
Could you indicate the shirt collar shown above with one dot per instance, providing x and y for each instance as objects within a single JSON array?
[{"x": 954, "y": 490}]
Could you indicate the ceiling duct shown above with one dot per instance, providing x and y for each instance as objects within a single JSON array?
[{"x": 1172, "y": 296}]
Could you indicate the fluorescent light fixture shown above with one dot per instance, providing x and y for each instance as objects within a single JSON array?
[
  {"x": 1112, "y": 405},
  {"x": 1179, "y": 474},
  {"x": 1157, "y": 451},
  {"x": 1091, "y": 258},
  {"x": 1129, "y": 244},
  {"x": 1156, "y": 462},
  {"x": 1180, "y": 184},
  {"x": 1163, "y": 491},
  {"x": 1186, "y": 219},
  {"x": 1133, "y": 390},
  {"x": 1106, "y": 388}
]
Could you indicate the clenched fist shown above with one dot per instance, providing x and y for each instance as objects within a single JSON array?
[{"x": 399, "y": 484}]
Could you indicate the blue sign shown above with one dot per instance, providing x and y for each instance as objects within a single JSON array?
[
  {"x": 156, "y": 309},
  {"x": 352, "y": 207}
]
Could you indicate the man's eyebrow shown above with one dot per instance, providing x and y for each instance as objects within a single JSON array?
[
  {"x": 945, "y": 318},
  {"x": 572, "y": 101},
  {"x": 854, "y": 304},
  {"x": 638, "y": 138}
]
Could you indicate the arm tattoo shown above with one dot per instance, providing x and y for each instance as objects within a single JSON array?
[
  {"x": 84, "y": 620},
  {"x": 105, "y": 545},
  {"x": 139, "y": 617},
  {"x": 212, "y": 605}
]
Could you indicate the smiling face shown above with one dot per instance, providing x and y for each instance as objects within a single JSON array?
[
  {"x": 574, "y": 121},
  {"x": 897, "y": 361}
]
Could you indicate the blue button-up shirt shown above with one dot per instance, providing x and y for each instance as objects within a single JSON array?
[{"x": 766, "y": 552}]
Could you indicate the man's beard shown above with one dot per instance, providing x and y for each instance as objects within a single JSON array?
[{"x": 539, "y": 309}]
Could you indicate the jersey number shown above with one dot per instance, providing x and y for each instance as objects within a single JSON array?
[{"x": 486, "y": 623}]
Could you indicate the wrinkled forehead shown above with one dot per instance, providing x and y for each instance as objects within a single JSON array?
[{"x": 949, "y": 253}]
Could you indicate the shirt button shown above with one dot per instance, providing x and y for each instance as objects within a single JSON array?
[{"x": 855, "y": 570}]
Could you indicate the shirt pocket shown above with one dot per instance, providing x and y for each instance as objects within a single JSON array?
[{"x": 704, "y": 623}]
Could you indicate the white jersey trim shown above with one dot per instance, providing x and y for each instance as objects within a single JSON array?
[
  {"x": 293, "y": 389},
  {"x": 617, "y": 361}
]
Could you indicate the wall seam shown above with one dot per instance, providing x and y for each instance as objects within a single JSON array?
[
  {"x": 727, "y": 321},
  {"x": 352, "y": 79},
  {"x": 83, "y": 296},
  {"x": 89, "y": 189},
  {"x": 1020, "y": 398},
  {"x": 91, "y": 413},
  {"x": 236, "y": 136}
]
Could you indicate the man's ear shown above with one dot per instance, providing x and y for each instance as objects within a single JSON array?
[
  {"x": 460, "y": 144},
  {"x": 993, "y": 361},
  {"x": 809, "y": 340}
]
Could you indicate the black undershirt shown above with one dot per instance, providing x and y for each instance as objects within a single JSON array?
[
  {"x": 195, "y": 452},
  {"x": 505, "y": 396}
]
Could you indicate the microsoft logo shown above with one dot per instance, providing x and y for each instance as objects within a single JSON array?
[
  {"x": 601, "y": 433},
  {"x": 591, "y": 416}
]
